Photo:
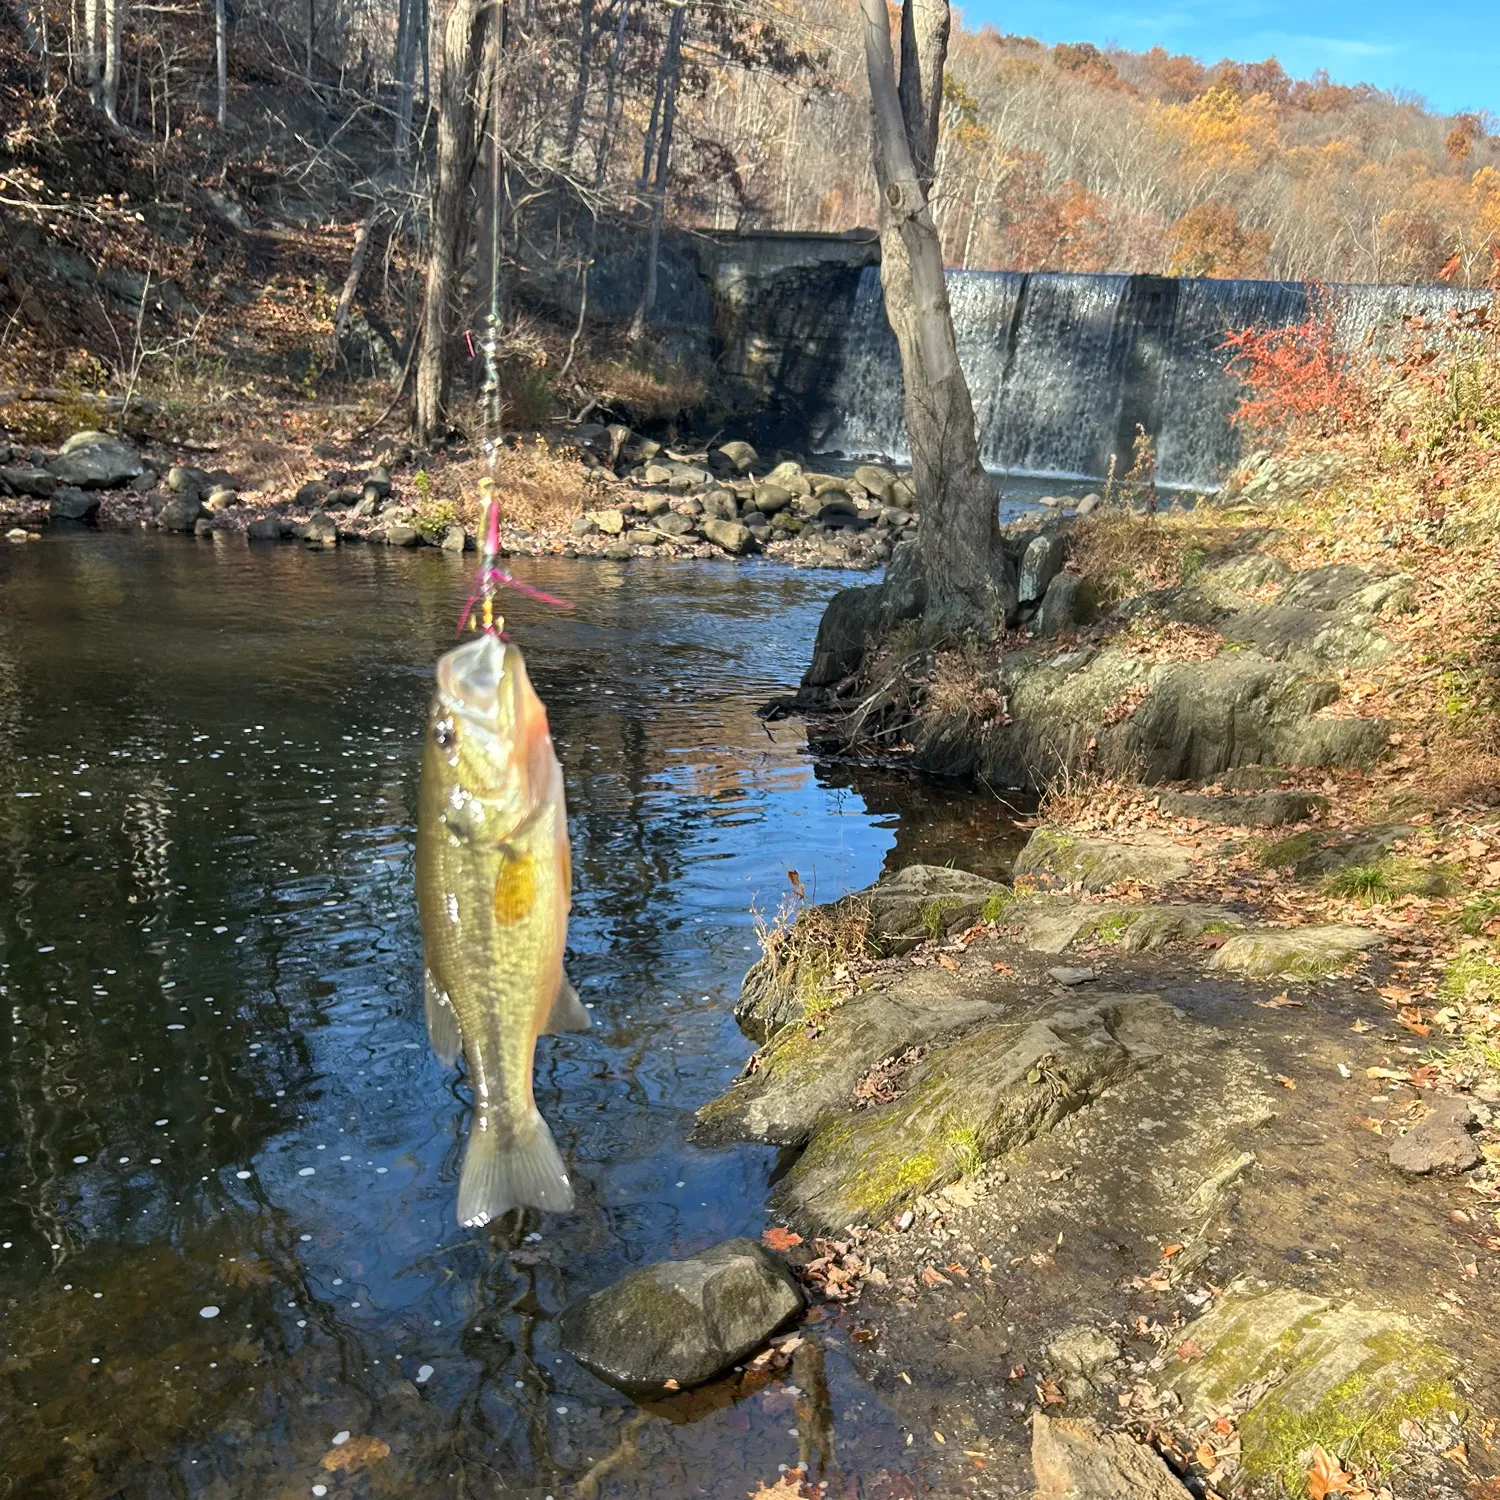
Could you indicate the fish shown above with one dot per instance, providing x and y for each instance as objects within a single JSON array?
[{"x": 494, "y": 887}]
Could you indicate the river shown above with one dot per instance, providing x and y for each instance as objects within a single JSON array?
[{"x": 227, "y": 1159}]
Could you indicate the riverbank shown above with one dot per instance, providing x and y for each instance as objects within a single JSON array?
[
  {"x": 586, "y": 491},
  {"x": 1189, "y": 1130}
]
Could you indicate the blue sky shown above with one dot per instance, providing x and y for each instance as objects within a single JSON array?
[{"x": 1447, "y": 51}]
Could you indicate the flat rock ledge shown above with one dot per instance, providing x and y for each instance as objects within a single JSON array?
[
  {"x": 679, "y": 1323},
  {"x": 1293, "y": 952},
  {"x": 1052, "y": 857},
  {"x": 1076, "y": 1459}
]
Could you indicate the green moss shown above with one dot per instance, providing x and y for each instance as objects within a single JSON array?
[
  {"x": 1468, "y": 969},
  {"x": 996, "y": 904},
  {"x": 1220, "y": 925},
  {"x": 1278, "y": 854},
  {"x": 962, "y": 1142},
  {"x": 1113, "y": 926},
  {"x": 887, "y": 1173},
  {"x": 1357, "y": 1420}
]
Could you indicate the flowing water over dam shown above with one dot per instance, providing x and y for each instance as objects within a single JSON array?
[{"x": 1064, "y": 367}]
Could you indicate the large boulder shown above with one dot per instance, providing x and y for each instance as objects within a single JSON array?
[
  {"x": 96, "y": 461},
  {"x": 876, "y": 481},
  {"x": 1040, "y": 563},
  {"x": 730, "y": 535},
  {"x": 1057, "y": 858},
  {"x": 678, "y": 1323},
  {"x": 28, "y": 479},
  {"x": 1293, "y": 952},
  {"x": 180, "y": 513},
  {"x": 923, "y": 902}
]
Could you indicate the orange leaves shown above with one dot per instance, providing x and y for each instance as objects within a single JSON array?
[
  {"x": 778, "y": 1239},
  {"x": 355, "y": 1454}
]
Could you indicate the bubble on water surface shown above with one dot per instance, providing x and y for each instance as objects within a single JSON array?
[
  {"x": 339, "y": 1438},
  {"x": 306, "y": 1171},
  {"x": 243, "y": 1176},
  {"x": 208, "y": 1312},
  {"x": 424, "y": 1374},
  {"x": 78, "y": 1161},
  {"x": 320, "y": 1489}
]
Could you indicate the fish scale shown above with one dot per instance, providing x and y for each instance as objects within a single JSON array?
[{"x": 493, "y": 893}]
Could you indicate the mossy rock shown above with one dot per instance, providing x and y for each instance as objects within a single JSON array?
[
  {"x": 1053, "y": 924},
  {"x": 1268, "y": 809},
  {"x": 807, "y": 1073},
  {"x": 1293, "y": 952},
  {"x": 1057, "y": 858},
  {"x": 1351, "y": 1377},
  {"x": 926, "y": 902},
  {"x": 985, "y": 1094}
]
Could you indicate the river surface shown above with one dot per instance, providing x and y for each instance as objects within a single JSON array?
[{"x": 228, "y": 1161}]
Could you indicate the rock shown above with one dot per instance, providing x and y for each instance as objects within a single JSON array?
[
  {"x": 73, "y": 505},
  {"x": 1343, "y": 1369},
  {"x": 784, "y": 473},
  {"x": 854, "y": 616},
  {"x": 1060, "y": 607},
  {"x": 730, "y": 535},
  {"x": 227, "y": 209},
  {"x": 321, "y": 529},
  {"x": 904, "y": 493},
  {"x": 1293, "y": 952},
  {"x": 682, "y": 1321},
  {"x": 264, "y": 529},
  {"x": 1082, "y": 1349},
  {"x": 185, "y": 480},
  {"x": 96, "y": 461},
  {"x": 657, "y": 474},
  {"x": 364, "y": 507},
  {"x": 203, "y": 526},
  {"x": 1440, "y": 1143},
  {"x": 987, "y": 1093},
  {"x": 18, "y": 534},
  {"x": 180, "y": 513},
  {"x": 378, "y": 482},
  {"x": 739, "y": 455},
  {"x": 877, "y": 481},
  {"x": 1040, "y": 563},
  {"x": 399, "y": 534},
  {"x": 220, "y": 500},
  {"x": 1076, "y": 1459},
  {"x": 1052, "y": 924},
  {"x": 311, "y": 493},
  {"x": 1088, "y": 505},
  {"x": 28, "y": 479},
  {"x": 143, "y": 482},
  {"x": 770, "y": 498},
  {"x": 340, "y": 498},
  {"x": 455, "y": 539},
  {"x": 1070, "y": 978},
  {"x": 719, "y": 505},
  {"x": 655, "y": 505},
  {"x": 583, "y": 526},
  {"x": 674, "y": 525},
  {"x": 1258, "y": 810},
  {"x": 922, "y": 902},
  {"x": 646, "y": 536},
  {"x": 1053, "y": 857},
  {"x": 610, "y": 522}
]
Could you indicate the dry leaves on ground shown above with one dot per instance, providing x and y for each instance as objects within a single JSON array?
[
  {"x": 358, "y": 1453},
  {"x": 780, "y": 1240}
]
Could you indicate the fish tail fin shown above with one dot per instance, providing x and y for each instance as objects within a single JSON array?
[
  {"x": 503, "y": 1172},
  {"x": 567, "y": 1013}
]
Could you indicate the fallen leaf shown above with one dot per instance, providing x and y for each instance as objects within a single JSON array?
[
  {"x": 672, "y": 1385},
  {"x": 1285, "y": 1082},
  {"x": 1187, "y": 1349},
  {"x": 1283, "y": 1001},
  {"x": 1325, "y": 1476},
  {"x": 1168, "y": 1251},
  {"x": 946, "y": 962},
  {"x": 1049, "y": 1392},
  {"x": 358, "y": 1453},
  {"x": 1362, "y": 1026},
  {"x": 931, "y": 1276},
  {"x": 779, "y": 1239},
  {"x": 788, "y": 1486}
]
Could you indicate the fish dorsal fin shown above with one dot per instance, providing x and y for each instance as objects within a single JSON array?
[
  {"x": 567, "y": 1013},
  {"x": 442, "y": 1022}
]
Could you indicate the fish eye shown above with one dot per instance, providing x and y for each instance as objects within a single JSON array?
[{"x": 444, "y": 733}]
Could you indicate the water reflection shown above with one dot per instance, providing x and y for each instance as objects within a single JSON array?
[{"x": 215, "y": 1091}]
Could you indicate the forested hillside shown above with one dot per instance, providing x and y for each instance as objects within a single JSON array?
[{"x": 246, "y": 190}]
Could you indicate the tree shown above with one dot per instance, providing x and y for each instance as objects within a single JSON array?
[
  {"x": 969, "y": 581},
  {"x": 221, "y": 50},
  {"x": 464, "y": 46}
]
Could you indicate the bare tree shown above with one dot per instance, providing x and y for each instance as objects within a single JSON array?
[
  {"x": 109, "y": 83},
  {"x": 221, "y": 47},
  {"x": 666, "y": 93},
  {"x": 970, "y": 582},
  {"x": 464, "y": 39}
]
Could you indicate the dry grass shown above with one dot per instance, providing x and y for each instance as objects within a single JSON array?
[
  {"x": 811, "y": 952},
  {"x": 1120, "y": 553},
  {"x": 647, "y": 389}
]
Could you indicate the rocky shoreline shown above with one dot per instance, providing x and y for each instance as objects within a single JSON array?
[{"x": 647, "y": 501}]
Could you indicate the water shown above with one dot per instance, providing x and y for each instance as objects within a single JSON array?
[
  {"x": 1063, "y": 367},
  {"x": 215, "y": 1090}
]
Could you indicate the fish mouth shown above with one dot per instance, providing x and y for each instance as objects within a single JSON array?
[{"x": 470, "y": 679}]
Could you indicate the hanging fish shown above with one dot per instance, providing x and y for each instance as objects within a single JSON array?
[{"x": 493, "y": 890}]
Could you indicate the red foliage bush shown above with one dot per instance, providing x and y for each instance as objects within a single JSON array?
[{"x": 1296, "y": 378}]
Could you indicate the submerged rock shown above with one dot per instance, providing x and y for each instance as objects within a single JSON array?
[
  {"x": 681, "y": 1321},
  {"x": 1348, "y": 1375},
  {"x": 1075, "y": 1459},
  {"x": 1096, "y": 864}
]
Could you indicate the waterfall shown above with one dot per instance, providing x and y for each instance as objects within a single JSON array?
[{"x": 1063, "y": 367}]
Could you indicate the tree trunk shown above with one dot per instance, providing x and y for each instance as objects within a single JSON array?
[
  {"x": 91, "y": 50},
  {"x": 607, "y": 130},
  {"x": 459, "y": 81},
  {"x": 581, "y": 87},
  {"x": 970, "y": 583},
  {"x": 312, "y": 32},
  {"x": 672, "y": 63},
  {"x": 221, "y": 43},
  {"x": 109, "y": 84}
]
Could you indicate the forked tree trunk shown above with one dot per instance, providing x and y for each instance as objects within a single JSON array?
[
  {"x": 970, "y": 583},
  {"x": 457, "y": 152}
]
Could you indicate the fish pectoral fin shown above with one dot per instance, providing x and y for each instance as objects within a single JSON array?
[
  {"x": 567, "y": 1013},
  {"x": 442, "y": 1022},
  {"x": 505, "y": 1170}
]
